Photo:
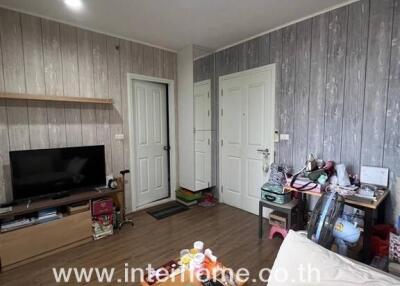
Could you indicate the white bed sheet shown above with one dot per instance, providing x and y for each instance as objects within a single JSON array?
[{"x": 297, "y": 251}]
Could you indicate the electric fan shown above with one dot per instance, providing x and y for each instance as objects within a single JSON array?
[{"x": 326, "y": 227}]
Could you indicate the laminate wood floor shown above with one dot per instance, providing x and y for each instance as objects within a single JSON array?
[{"x": 231, "y": 233}]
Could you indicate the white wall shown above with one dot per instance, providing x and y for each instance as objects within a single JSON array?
[{"x": 185, "y": 118}]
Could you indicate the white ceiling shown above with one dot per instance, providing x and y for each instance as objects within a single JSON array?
[{"x": 174, "y": 24}]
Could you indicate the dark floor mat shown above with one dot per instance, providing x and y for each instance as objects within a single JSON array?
[{"x": 167, "y": 210}]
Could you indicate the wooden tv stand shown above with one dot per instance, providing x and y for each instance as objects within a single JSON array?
[{"x": 36, "y": 241}]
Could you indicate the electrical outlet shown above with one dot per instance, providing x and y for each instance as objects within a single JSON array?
[
  {"x": 119, "y": 136},
  {"x": 284, "y": 137}
]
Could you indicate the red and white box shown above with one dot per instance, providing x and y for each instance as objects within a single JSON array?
[{"x": 102, "y": 206}]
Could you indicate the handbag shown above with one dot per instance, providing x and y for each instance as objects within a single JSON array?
[{"x": 308, "y": 186}]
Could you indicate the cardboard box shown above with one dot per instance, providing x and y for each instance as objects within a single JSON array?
[{"x": 278, "y": 219}]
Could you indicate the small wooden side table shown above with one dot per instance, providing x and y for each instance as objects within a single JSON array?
[{"x": 287, "y": 208}]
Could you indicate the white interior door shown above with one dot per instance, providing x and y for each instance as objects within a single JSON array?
[
  {"x": 202, "y": 160},
  {"x": 151, "y": 141},
  {"x": 202, "y": 136},
  {"x": 247, "y": 102},
  {"x": 202, "y": 106}
]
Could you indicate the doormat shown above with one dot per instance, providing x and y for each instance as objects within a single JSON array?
[{"x": 167, "y": 210}]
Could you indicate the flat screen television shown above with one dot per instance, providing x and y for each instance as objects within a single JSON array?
[{"x": 56, "y": 172}]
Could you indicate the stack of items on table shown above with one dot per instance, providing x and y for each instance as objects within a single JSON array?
[
  {"x": 318, "y": 176},
  {"x": 373, "y": 183},
  {"x": 273, "y": 189},
  {"x": 367, "y": 188},
  {"x": 314, "y": 176},
  {"x": 196, "y": 263},
  {"x": 187, "y": 197},
  {"x": 102, "y": 221}
]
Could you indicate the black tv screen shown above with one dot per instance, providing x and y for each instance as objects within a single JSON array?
[{"x": 47, "y": 172}]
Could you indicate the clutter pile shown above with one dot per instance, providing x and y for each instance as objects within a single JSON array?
[
  {"x": 200, "y": 263},
  {"x": 386, "y": 248},
  {"x": 197, "y": 258},
  {"x": 315, "y": 175},
  {"x": 208, "y": 200},
  {"x": 187, "y": 197},
  {"x": 202, "y": 198},
  {"x": 318, "y": 176},
  {"x": 102, "y": 212}
]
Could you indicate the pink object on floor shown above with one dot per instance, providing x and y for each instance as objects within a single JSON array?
[
  {"x": 208, "y": 200},
  {"x": 277, "y": 230}
]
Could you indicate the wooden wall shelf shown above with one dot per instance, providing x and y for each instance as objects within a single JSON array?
[{"x": 24, "y": 96}]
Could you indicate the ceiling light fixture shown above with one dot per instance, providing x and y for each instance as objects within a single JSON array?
[{"x": 74, "y": 4}]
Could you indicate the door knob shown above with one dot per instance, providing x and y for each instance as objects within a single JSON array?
[{"x": 167, "y": 148}]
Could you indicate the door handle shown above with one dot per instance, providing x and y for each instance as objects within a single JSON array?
[
  {"x": 167, "y": 148},
  {"x": 264, "y": 151}
]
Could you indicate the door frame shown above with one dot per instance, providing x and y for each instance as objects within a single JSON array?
[
  {"x": 171, "y": 132},
  {"x": 270, "y": 67}
]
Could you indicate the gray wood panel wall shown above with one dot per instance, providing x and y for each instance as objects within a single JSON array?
[
  {"x": 39, "y": 56},
  {"x": 337, "y": 86}
]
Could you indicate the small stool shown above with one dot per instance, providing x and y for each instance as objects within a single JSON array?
[{"x": 277, "y": 230}]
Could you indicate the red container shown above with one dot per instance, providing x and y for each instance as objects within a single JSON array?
[
  {"x": 380, "y": 239},
  {"x": 102, "y": 206}
]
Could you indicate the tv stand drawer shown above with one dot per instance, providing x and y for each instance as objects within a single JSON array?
[{"x": 37, "y": 240}]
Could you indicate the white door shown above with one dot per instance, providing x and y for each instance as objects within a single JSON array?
[
  {"x": 202, "y": 160},
  {"x": 202, "y": 135},
  {"x": 247, "y": 108},
  {"x": 202, "y": 106},
  {"x": 151, "y": 141}
]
